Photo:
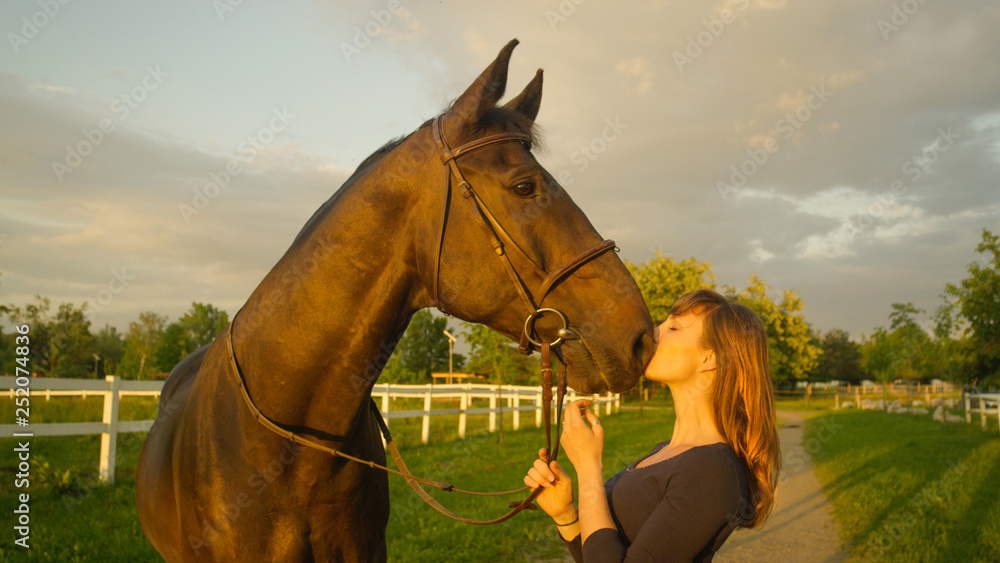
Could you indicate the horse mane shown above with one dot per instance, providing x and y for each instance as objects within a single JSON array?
[{"x": 497, "y": 120}]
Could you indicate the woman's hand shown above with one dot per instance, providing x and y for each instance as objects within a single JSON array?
[
  {"x": 583, "y": 438},
  {"x": 557, "y": 497}
]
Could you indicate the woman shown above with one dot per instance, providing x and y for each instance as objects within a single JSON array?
[{"x": 717, "y": 472}]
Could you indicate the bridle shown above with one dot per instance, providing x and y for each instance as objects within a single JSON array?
[{"x": 500, "y": 240}]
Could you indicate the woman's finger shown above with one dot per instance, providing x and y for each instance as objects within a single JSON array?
[
  {"x": 592, "y": 417},
  {"x": 543, "y": 470},
  {"x": 536, "y": 478},
  {"x": 531, "y": 483},
  {"x": 557, "y": 469},
  {"x": 572, "y": 414}
]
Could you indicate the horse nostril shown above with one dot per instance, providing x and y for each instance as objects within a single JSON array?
[{"x": 639, "y": 349}]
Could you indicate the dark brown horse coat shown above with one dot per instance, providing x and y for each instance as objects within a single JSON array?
[{"x": 215, "y": 485}]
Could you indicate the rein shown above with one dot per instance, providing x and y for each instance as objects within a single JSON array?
[
  {"x": 416, "y": 482},
  {"x": 500, "y": 240}
]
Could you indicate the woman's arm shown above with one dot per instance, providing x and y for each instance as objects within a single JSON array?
[
  {"x": 583, "y": 441},
  {"x": 557, "y": 497}
]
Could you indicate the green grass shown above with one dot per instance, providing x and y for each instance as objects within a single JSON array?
[
  {"x": 906, "y": 488},
  {"x": 74, "y": 518}
]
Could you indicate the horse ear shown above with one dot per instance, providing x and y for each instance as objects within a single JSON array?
[
  {"x": 527, "y": 102},
  {"x": 487, "y": 90}
]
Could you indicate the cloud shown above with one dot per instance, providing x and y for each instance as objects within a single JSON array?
[
  {"x": 843, "y": 204},
  {"x": 120, "y": 209}
]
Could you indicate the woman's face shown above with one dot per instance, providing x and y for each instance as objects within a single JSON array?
[{"x": 679, "y": 355}]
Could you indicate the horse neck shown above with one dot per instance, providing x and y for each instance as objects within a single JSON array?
[{"x": 316, "y": 333}]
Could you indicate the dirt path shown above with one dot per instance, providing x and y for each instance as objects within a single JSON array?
[{"x": 802, "y": 527}]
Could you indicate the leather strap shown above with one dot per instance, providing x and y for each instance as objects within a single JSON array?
[
  {"x": 586, "y": 256},
  {"x": 498, "y": 237},
  {"x": 413, "y": 481}
]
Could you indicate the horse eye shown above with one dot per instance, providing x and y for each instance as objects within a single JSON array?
[{"x": 524, "y": 189}]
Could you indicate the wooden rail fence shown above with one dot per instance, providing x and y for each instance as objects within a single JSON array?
[
  {"x": 988, "y": 403},
  {"x": 505, "y": 398}
]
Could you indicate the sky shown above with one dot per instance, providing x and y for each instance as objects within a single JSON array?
[{"x": 845, "y": 150}]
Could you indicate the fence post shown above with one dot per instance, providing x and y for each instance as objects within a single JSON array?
[
  {"x": 425, "y": 432},
  {"x": 517, "y": 409},
  {"x": 982, "y": 412},
  {"x": 968, "y": 407},
  {"x": 607, "y": 408},
  {"x": 109, "y": 438},
  {"x": 493, "y": 412},
  {"x": 618, "y": 402},
  {"x": 461, "y": 416}
]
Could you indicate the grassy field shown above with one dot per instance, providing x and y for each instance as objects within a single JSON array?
[
  {"x": 906, "y": 488},
  {"x": 902, "y": 487},
  {"x": 74, "y": 518}
]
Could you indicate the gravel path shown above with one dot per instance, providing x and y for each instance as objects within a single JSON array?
[{"x": 801, "y": 527}]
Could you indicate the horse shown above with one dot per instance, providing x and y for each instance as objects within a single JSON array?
[{"x": 213, "y": 483}]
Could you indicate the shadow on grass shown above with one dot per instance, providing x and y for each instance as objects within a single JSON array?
[{"x": 905, "y": 487}]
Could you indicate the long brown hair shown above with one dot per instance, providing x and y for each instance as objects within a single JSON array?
[{"x": 742, "y": 393}]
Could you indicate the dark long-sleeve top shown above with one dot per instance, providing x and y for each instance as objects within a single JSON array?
[{"x": 679, "y": 509}]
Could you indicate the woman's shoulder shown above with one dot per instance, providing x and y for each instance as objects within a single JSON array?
[
  {"x": 657, "y": 448},
  {"x": 719, "y": 454}
]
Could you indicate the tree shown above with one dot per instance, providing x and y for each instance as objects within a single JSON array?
[
  {"x": 110, "y": 346},
  {"x": 424, "y": 347},
  {"x": 173, "y": 346},
  {"x": 662, "y": 281},
  {"x": 840, "y": 359},
  {"x": 880, "y": 356},
  {"x": 790, "y": 347},
  {"x": 36, "y": 316},
  {"x": 141, "y": 342},
  {"x": 61, "y": 346},
  {"x": 949, "y": 351},
  {"x": 910, "y": 341},
  {"x": 395, "y": 372},
  {"x": 199, "y": 326},
  {"x": 901, "y": 351},
  {"x": 7, "y": 352},
  {"x": 977, "y": 300},
  {"x": 7, "y": 345},
  {"x": 493, "y": 353}
]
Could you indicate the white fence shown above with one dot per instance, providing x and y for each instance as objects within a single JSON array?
[
  {"x": 112, "y": 388},
  {"x": 506, "y": 398},
  {"x": 989, "y": 404},
  {"x": 512, "y": 395}
]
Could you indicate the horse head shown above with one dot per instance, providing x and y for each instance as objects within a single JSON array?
[{"x": 536, "y": 224}]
